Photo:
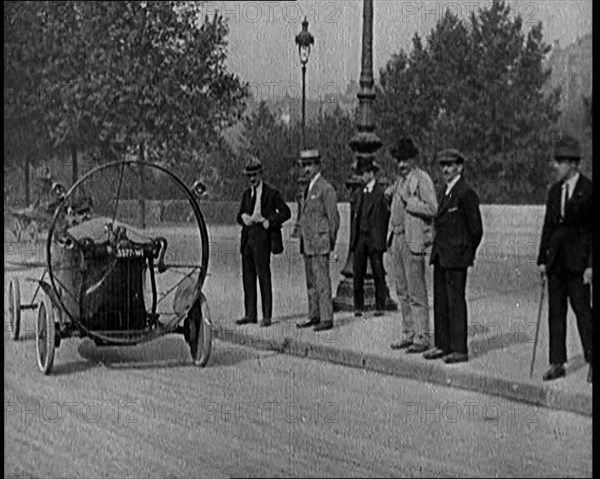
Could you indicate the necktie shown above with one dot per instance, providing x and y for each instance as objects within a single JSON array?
[
  {"x": 306, "y": 191},
  {"x": 565, "y": 197}
]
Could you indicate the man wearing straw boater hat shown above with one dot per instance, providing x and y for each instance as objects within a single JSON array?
[
  {"x": 565, "y": 256},
  {"x": 261, "y": 214},
  {"x": 458, "y": 232},
  {"x": 318, "y": 224}
]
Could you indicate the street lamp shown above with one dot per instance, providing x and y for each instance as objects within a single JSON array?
[
  {"x": 365, "y": 143},
  {"x": 304, "y": 40}
]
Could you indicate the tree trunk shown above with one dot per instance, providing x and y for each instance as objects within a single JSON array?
[
  {"x": 74, "y": 162},
  {"x": 142, "y": 188},
  {"x": 27, "y": 182}
]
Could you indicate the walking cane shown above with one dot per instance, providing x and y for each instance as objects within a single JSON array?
[{"x": 537, "y": 327}]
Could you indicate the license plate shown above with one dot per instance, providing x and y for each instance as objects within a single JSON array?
[{"x": 129, "y": 253}]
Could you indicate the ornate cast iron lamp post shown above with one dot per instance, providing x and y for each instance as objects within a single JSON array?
[{"x": 365, "y": 143}]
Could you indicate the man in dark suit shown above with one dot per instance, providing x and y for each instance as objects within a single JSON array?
[
  {"x": 369, "y": 236},
  {"x": 458, "y": 232},
  {"x": 262, "y": 212},
  {"x": 565, "y": 256}
]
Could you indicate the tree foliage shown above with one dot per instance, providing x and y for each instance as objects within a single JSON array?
[
  {"x": 477, "y": 86},
  {"x": 278, "y": 146},
  {"x": 111, "y": 78}
]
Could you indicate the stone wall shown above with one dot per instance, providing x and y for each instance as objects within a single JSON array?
[{"x": 508, "y": 230}]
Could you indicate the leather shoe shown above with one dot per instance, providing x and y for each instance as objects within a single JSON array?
[
  {"x": 265, "y": 323},
  {"x": 405, "y": 343},
  {"x": 309, "y": 323},
  {"x": 456, "y": 358},
  {"x": 246, "y": 321},
  {"x": 589, "y": 379},
  {"x": 378, "y": 313},
  {"x": 357, "y": 314},
  {"x": 434, "y": 353},
  {"x": 323, "y": 326},
  {"x": 556, "y": 371},
  {"x": 417, "y": 348}
]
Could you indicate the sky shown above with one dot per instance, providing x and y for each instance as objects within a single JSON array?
[{"x": 262, "y": 50}]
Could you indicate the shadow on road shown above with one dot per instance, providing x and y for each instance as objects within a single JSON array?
[{"x": 165, "y": 353}]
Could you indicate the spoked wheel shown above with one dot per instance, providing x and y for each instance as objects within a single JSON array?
[
  {"x": 14, "y": 308},
  {"x": 200, "y": 332},
  {"x": 32, "y": 232},
  {"x": 45, "y": 335},
  {"x": 14, "y": 226},
  {"x": 144, "y": 235}
]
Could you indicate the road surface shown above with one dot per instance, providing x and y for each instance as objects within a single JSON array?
[{"x": 144, "y": 411}]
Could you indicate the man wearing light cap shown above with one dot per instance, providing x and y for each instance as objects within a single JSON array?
[
  {"x": 261, "y": 214},
  {"x": 318, "y": 224},
  {"x": 565, "y": 256},
  {"x": 458, "y": 232}
]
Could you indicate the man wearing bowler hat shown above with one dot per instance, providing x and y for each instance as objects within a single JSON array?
[
  {"x": 318, "y": 224},
  {"x": 414, "y": 205},
  {"x": 369, "y": 236},
  {"x": 458, "y": 232},
  {"x": 261, "y": 214},
  {"x": 565, "y": 256}
]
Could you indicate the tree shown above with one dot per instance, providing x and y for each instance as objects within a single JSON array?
[
  {"x": 477, "y": 86},
  {"x": 117, "y": 78}
]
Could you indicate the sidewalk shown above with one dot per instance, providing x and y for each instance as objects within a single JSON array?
[{"x": 503, "y": 299}]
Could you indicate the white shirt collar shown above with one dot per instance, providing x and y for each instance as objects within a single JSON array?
[
  {"x": 369, "y": 187},
  {"x": 314, "y": 180},
  {"x": 572, "y": 182},
  {"x": 450, "y": 185},
  {"x": 259, "y": 188}
]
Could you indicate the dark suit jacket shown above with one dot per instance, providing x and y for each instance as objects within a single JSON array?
[
  {"x": 573, "y": 236},
  {"x": 379, "y": 211},
  {"x": 273, "y": 208},
  {"x": 458, "y": 227}
]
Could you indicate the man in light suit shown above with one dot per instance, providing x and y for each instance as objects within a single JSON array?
[
  {"x": 458, "y": 232},
  {"x": 318, "y": 224},
  {"x": 261, "y": 214},
  {"x": 414, "y": 205},
  {"x": 565, "y": 256}
]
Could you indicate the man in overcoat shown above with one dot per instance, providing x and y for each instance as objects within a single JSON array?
[{"x": 565, "y": 255}]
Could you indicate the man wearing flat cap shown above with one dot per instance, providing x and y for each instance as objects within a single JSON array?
[
  {"x": 565, "y": 256},
  {"x": 413, "y": 207},
  {"x": 318, "y": 226},
  {"x": 458, "y": 232},
  {"x": 368, "y": 239},
  {"x": 261, "y": 214}
]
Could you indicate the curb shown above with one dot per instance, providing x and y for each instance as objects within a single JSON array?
[{"x": 426, "y": 372}]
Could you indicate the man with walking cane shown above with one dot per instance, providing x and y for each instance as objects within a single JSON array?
[{"x": 565, "y": 256}]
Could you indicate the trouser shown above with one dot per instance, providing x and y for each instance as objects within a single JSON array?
[
  {"x": 563, "y": 285},
  {"x": 318, "y": 286},
  {"x": 409, "y": 273},
  {"x": 450, "y": 309},
  {"x": 256, "y": 259},
  {"x": 363, "y": 251}
]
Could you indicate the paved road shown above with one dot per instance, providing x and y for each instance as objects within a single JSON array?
[{"x": 145, "y": 412}]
